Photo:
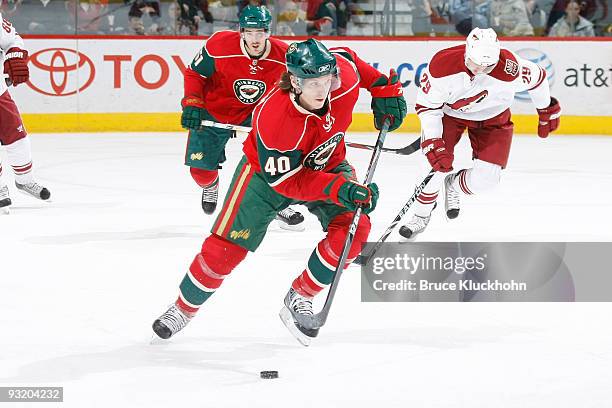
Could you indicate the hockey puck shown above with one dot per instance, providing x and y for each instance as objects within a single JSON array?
[{"x": 268, "y": 374}]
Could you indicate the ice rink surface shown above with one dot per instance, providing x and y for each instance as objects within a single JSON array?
[{"x": 83, "y": 277}]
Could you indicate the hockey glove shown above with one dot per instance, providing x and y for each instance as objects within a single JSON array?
[
  {"x": 439, "y": 158},
  {"x": 16, "y": 65},
  {"x": 549, "y": 118},
  {"x": 351, "y": 195},
  {"x": 388, "y": 100},
  {"x": 193, "y": 112}
]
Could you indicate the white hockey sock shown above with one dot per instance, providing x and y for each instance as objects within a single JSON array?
[
  {"x": 20, "y": 159},
  {"x": 480, "y": 178},
  {"x": 425, "y": 201}
]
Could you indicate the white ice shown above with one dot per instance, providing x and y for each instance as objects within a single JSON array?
[{"x": 83, "y": 277}]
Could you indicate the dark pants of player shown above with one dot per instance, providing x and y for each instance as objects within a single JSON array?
[
  {"x": 490, "y": 139},
  {"x": 13, "y": 136},
  {"x": 206, "y": 151},
  {"x": 249, "y": 207}
]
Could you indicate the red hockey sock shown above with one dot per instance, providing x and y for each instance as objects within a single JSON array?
[
  {"x": 323, "y": 261},
  {"x": 207, "y": 271},
  {"x": 203, "y": 177}
]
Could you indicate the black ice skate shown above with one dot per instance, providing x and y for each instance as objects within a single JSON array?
[
  {"x": 451, "y": 197},
  {"x": 302, "y": 305},
  {"x": 210, "y": 195},
  {"x": 5, "y": 199},
  {"x": 171, "y": 322},
  {"x": 290, "y": 220},
  {"x": 35, "y": 190}
]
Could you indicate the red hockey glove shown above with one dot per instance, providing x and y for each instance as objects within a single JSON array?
[
  {"x": 16, "y": 65},
  {"x": 439, "y": 158},
  {"x": 549, "y": 118}
]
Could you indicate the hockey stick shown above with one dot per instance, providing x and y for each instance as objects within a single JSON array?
[
  {"x": 227, "y": 126},
  {"x": 314, "y": 322},
  {"x": 363, "y": 259},
  {"x": 411, "y": 148}
]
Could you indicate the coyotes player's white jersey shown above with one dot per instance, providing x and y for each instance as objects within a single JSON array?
[
  {"x": 447, "y": 87},
  {"x": 8, "y": 39}
]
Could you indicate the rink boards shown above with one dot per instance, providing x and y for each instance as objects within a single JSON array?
[{"x": 135, "y": 84}]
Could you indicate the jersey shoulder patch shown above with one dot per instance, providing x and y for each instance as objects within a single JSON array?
[
  {"x": 224, "y": 44},
  {"x": 507, "y": 69},
  {"x": 448, "y": 61}
]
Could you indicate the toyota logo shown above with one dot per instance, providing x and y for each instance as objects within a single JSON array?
[{"x": 59, "y": 63}]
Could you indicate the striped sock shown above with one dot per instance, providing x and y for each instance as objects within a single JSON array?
[
  {"x": 460, "y": 181},
  {"x": 319, "y": 271},
  {"x": 198, "y": 285},
  {"x": 23, "y": 173}
]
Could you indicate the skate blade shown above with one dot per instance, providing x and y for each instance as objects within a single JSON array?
[
  {"x": 5, "y": 211},
  {"x": 295, "y": 228},
  {"x": 287, "y": 319}
]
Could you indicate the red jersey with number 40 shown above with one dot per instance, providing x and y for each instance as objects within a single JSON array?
[
  {"x": 293, "y": 148},
  {"x": 228, "y": 80}
]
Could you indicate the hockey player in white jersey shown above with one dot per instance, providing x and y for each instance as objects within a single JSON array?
[
  {"x": 471, "y": 86},
  {"x": 13, "y": 135}
]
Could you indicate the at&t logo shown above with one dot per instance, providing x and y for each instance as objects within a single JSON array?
[{"x": 64, "y": 72}]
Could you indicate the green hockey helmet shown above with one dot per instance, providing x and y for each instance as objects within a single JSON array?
[
  {"x": 255, "y": 17},
  {"x": 310, "y": 59}
]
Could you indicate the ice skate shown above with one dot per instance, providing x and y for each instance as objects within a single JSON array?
[
  {"x": 290, "y": 220},
  {"x": 5, "y": 200},
  {"x": 35, "y": 190},
  {"x": 210, "y": 195},
  {"x": 301, "y": 305},
  {"x": 171, "y": 322},
  {"x": 451, "y": 197},
  {"x": 416, "y": 225}
]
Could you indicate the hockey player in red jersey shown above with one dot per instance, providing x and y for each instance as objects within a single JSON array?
[
  {"x": 472, "y": 86},
  {"x": 295, "y": 153},
  {"x": 13, "y": 135},
  {"x": 224, "y": 83}
]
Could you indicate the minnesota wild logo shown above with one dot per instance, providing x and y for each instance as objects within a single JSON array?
[
  {"x": 317, "y": 159},
  {"x": 249, "y": 91}
]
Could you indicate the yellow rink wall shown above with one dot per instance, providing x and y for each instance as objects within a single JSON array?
[{"x": 362, "y": 122}]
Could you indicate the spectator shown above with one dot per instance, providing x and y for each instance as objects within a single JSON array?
[
  {"x": 588, "y": 10},
  {"x": 510, "y": 18},
  {"x": 291, "y": 18},
  {"x": 86, "y": 15},
  {"x": 8, "y": 8},
  {"x": 190, "y": 13},
  {"x": 141, "y": 8},
  {"x": 468, "y": 14},
  {"x": 321, "y": 17},
  {"x": 573, "y": 24},
  {"x": 421, "y": 17}
]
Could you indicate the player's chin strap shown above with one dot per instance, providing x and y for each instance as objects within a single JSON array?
[{"x": 318, "y": 320}]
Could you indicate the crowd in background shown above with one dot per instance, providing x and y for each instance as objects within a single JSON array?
[{"x": 559, "y": 18}]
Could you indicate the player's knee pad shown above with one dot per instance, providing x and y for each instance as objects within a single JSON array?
[
  {"x": 220, "y": 255},
  {"x": 337, "y": 231},
  {"x": 484, "y": 176},
  {"x": 203, "y": 177}
]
